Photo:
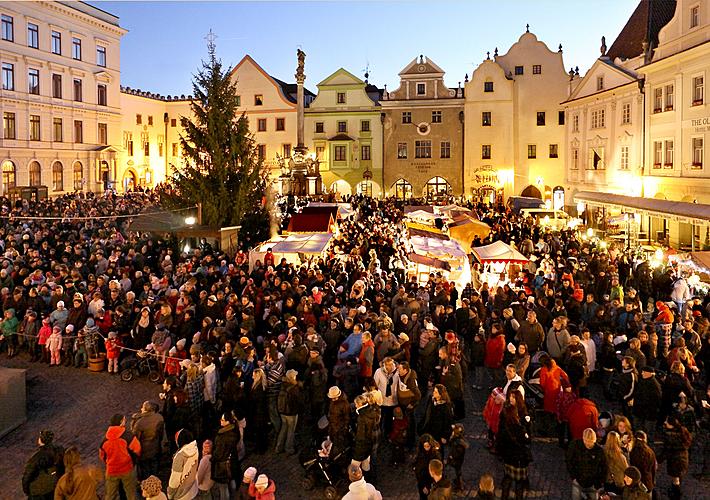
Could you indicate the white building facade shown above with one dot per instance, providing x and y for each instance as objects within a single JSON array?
[{"x": 515, "y": 125}]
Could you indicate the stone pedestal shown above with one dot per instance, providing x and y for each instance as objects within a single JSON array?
[{"x": 312, "y": 184}]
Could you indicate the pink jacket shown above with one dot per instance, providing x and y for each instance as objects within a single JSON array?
[{"x": 54, "y": 342}]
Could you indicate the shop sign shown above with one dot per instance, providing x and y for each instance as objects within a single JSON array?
[
  {"x": 698, "y": 124},
  {"x": 422, "y": 166},
  {"x": 486, "y": 176}
]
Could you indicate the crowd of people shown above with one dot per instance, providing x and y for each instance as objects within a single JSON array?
[{"x": 353, "y": 363}]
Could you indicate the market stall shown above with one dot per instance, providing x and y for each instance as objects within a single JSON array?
[
  {"x": 295, "y": 248},
  {"x": 501, "y": 263},
  {"x": 465, "y": 228},
  {"x": 438, "y": 255}
]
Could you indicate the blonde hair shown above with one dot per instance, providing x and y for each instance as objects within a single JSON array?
[
  {"x": 612, "y": 448},
  {"x": 259, "y": 378},
  {"x": 677, "y": 367},
  {"x": 486, "y": 484}
]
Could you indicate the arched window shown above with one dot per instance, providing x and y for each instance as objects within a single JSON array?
[
  {"x": 365, "y": 188},
  {"x": 402, "y": 190},
  {"x": 78, "y": 171},
  {"x": 531, "y": 192},
  {"x": 437, "y": 186},
  {"x": 8, "y": 176},
  {"x": 35, "y": 174},
  {"x": 58, "y": 176}
]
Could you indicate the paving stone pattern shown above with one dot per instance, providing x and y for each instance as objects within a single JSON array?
[{"x": 77, "y": 406}]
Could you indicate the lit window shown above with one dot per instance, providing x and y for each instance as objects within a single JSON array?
[
  {"x": 486, "y": 119},
  {"x": 103, "y": 133},
  {"x": 258, "y": 100},
  {"x": 669, "y": 97},
  {"x": 58, "y": 132},
  {"x": 575, "y": 159},
  {"x": 624, "y": 165},
  {"x": 35, "y": 174},
  {"x": 402, "y": 151},
  {"x": 57, "y": 176},
  {"x": 34, "y": 128},
  {"x": 532, "y": 151},
  {"x": 657, "y": 154},
  {"x": 668, "y": 154},
  {"x": 658, "y": 100}
]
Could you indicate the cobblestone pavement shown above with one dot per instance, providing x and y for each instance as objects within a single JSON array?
[{"x": 77, "y": 405}]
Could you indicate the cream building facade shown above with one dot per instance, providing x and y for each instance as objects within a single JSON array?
[
  {"x": 343, "y": 128},
  {"x": 60, "y": 96},
  {"x": 514, "y": 123}
]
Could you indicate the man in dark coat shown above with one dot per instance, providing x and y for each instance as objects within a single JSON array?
[
  {"x": 531, "y": 333},
  {"x": 644, "y": 459},
  {"x": 586, "y": 464},
  {"x": 43, "y": 469},
  {"x": 366, "y": 425},
  {"x": 647, "y": 401},
  {"x": 149, "y": 427},
  {"x": 338, "y": 419}
]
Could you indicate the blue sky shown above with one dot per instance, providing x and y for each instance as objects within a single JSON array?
[{"x": 166, "y": 40}]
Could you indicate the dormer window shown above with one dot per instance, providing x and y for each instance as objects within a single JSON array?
[
  {"x": 600, "y": 82},
  {"x": 488, "y": 86},
  {"x": 421, "y": 88},
  {"x": 341, "y": 98}
]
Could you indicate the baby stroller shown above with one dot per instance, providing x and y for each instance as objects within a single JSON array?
[
  {"x": 144, "y": 362},
  {"x": 325, "y": 470}
]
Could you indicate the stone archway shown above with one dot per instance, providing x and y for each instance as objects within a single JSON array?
[
  {"x": 531, "y": 192},
  {"x": 130, "y": 180}
]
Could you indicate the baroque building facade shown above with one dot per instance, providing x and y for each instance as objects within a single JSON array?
[
  {"x": 423, "y": 134},
  {"x": 515, "y": 124}
]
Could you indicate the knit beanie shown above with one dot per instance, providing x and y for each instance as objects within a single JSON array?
[{"x": 152, "y": 487}]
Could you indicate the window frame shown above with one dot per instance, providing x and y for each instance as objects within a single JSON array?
[
  {"x": 624, "y": 156},
  {"x": 486, "y": 119},
  {"x": 340, "y": 153},
  {"x": 486, "y": 151},
  {"x": 76, "y": 48},
  {"x": 258, "y": 99},
  {"x": 342, "y": 127},
  {"x": 532, "y": 151},
  {"x": 575, "y": 159},
  {"x": 57, "y": 126},
  {"x": 696, "y": 164},
  {"x": 99, "y": 100},
  {"x": 340, "y": 98},
  {"x": 488, "y": 87},
  {"x": 668, "y": 151},
  {"x": 9, "y": 125},
  {"x": 626, "y": 113},
  {"x": 319, "y": 127},
  {"x": 365, "y": 152},
  {"x": 261, "y": 125},
  {"x": 537, "y": 69},
  {"x": 33, "y": 36},
  {"x": 541, "y": 118},
  {"x": 422, "y": 148},
  {"x": 406, "y": 117},
  {"x": 445, "y": 149},
  {"x": 402, "y": 151},
  {"x": 34, "y": 175},
  {"x": 78, "y": 175},
  {"x": 697, "y": 100},
  {"x": 78, "y": 132},
  {"x": 280, "y": 124},
  {"x": 8, "y": 28},
  {"x": 57, "y": 176},
  {"x": 436, "y": 116},
  {"x": 519, "y": 70},
  {"x": 102, "y": 130},
  {"x": 365, "y": 126},
  {"x": 57, "y": 90},
  {"x": 101, "y": 55},
  {"x": 554, "y": 151},
  {"x": 56, "y": 38},
  {"x": 421, "y": 85},
  {"x": 35, "y": 128},
  {"x": 8, "y": 69},
  {"x": 78, "y": 90}
]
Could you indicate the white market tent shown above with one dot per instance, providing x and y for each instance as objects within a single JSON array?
[
  {"x": 295, "y": 248},
  {"x": 435, "y": 254},
  {"x": 498, "y": 252},
  {"x": 344, "y": 209},
  {"x": 423, "y": 216}
]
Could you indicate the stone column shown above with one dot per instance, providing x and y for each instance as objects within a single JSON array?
[{"x": 300, "y": 79}]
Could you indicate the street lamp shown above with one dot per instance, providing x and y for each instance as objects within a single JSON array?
[{"x": 191, "y": 220}]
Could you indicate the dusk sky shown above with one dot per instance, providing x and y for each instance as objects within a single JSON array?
[{"x": 166, "y": 40}]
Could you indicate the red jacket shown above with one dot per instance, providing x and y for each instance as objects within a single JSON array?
[
  {"x": 550, "y": 381},
  {"x": 172, "y": 362},
  {"x": 113, "y": 348},
  {"x": 582, "y": 413},
  {"x": 118, "y": 451},
  {"x": 495, "y": 349},
  {"x": 366, "y": 358}
]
